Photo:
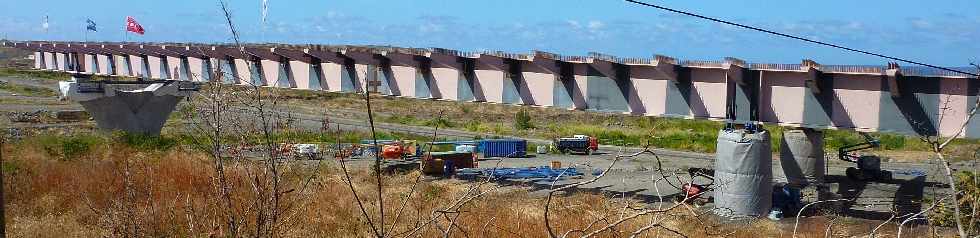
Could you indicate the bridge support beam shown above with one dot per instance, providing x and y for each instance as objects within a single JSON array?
[{"x": 138, "y": 109}]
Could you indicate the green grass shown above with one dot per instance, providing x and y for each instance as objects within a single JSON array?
[
  {"x": 682, "y": 134},
  {"x": 67, "y": 147},
  {"x": 50, "y": 75},
  {"x": 145, "y": 142},
  {"x": 27, "y": 90}
]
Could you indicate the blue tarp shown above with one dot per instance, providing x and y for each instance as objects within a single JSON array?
[{"x": 545, "y": 172}]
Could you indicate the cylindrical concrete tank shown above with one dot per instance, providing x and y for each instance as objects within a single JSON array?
[
  {"x": 801, "y": 155},
  {"x": 743, "y": 174}
]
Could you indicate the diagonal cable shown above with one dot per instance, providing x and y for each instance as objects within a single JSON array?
[{"x": 799, "y": 38}]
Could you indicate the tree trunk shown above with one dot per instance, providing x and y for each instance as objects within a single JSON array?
[{"x": 953, "y": 191}]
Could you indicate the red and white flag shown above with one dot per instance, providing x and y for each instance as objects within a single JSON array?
[{"x": 133, "y": 26}]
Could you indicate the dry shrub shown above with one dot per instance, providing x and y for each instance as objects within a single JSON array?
[{"x": 119, "y": 191}]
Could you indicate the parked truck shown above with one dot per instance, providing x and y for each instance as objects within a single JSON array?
[{"x": 577, "y": 144}]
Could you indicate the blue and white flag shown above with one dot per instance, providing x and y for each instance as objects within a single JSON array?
[{"x": 91, "y": 25}]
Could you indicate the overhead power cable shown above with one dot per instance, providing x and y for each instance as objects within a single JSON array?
[{"x": 799, "y": 38}]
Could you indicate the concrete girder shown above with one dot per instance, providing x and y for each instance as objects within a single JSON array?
[
  {"x": 832, "y": 96},
  {"x": 186, "y": 51},
  {"x": 293, "y": 54},
  {"x": 327, "y": 55},
  {"x": 262, "y": 53},
  {"x": 813, "y": 75}
]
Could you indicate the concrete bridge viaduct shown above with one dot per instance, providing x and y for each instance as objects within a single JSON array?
[{"x": 810, "y": 95}]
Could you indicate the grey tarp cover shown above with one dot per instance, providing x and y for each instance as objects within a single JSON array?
[
  {"x": 743, "y": 174},
  {"x": 801, "y": 156}
]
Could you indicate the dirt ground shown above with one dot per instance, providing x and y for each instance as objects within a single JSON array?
[{"x": 870, "y": 203}]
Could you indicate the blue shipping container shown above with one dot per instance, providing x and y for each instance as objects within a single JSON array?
[{"x": 503, "y": 148}]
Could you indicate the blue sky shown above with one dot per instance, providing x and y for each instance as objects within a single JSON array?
[{"x": 939, "y": 32}]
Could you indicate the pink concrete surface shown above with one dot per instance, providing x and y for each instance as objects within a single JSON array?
[
  {"x": 403, "y": 77},
  {"x": 155, "y": 67},
  {"x": 120, "y": 65},
  {"x": 244, "y": 75},
  {"x": 492, "y": 84},
  {"x": 447, "y": 80},
  {"x": 953, "y": 97},
  {"x": 858, "y": 101},
  {"x": 136, "y": 64},
  {"x": 404, "y": 72},
  {"x": 781, "y": 97},
  {"x": 89, "y": 60},
  {"x": 270, "y": 70},
  {"x": 541, "y": 86},
  {"x": 332, "y": 76},
  {"x": 48, "y": 60},
  {"x": 445, "y": 73},
  {"x": 103, "y": 61},
  {"x": 197, "y": 68},
  {"x": 301, "y": 74},
  {"x": 215, "y": 67},
  {"x": 541, "y": 75},
  {"x": 362, "y": 76},
  {"x": 175, "y": 67},
  {"x": 710, "y": 93},
  {"x": 490, "y": 76},
  {"x": 650, "y": 90},
  {"x": 60, "y": 57}
]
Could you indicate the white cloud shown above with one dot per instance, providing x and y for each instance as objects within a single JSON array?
[{"x": 595, "y": 25}]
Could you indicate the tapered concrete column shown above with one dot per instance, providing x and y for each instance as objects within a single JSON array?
[
  {"x": 243, "y": 72},
  {"x": 491, "y": 83},
  {"x": 447, "y": 79},
  {"x": 103, "y": 62},
  {"x": 270, "y": 71},
  {"x": 301, "y": 75},
  {"x": 48, "y": 61},
  {"x": 134, "y": 109},
  {"x": 196, "y": 68},
  {"x": 136, "y": 65},
  {"x": 90, "y": 64},
  {"x": 122, "y": 69},
  {"x": 174, "y": 68},
  {"x": 154, "y": 63},
  {"x": 60, "y": 61},
  {"x": 333, "y": 75},
  {"x": 37, "y": 60},
  {"x": 359, "y": 82},
  {"x": 540, "y": 83},
  {"x": 802, "y": 157},
  {"x": 403, "y": 81}
]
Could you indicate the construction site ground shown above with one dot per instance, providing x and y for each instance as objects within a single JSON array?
[{"x": 639, "y": 177}]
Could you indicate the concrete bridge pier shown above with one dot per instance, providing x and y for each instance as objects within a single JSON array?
[
  {"x": 802, "y": 157},
  {"x": 134, "y": 107}
]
